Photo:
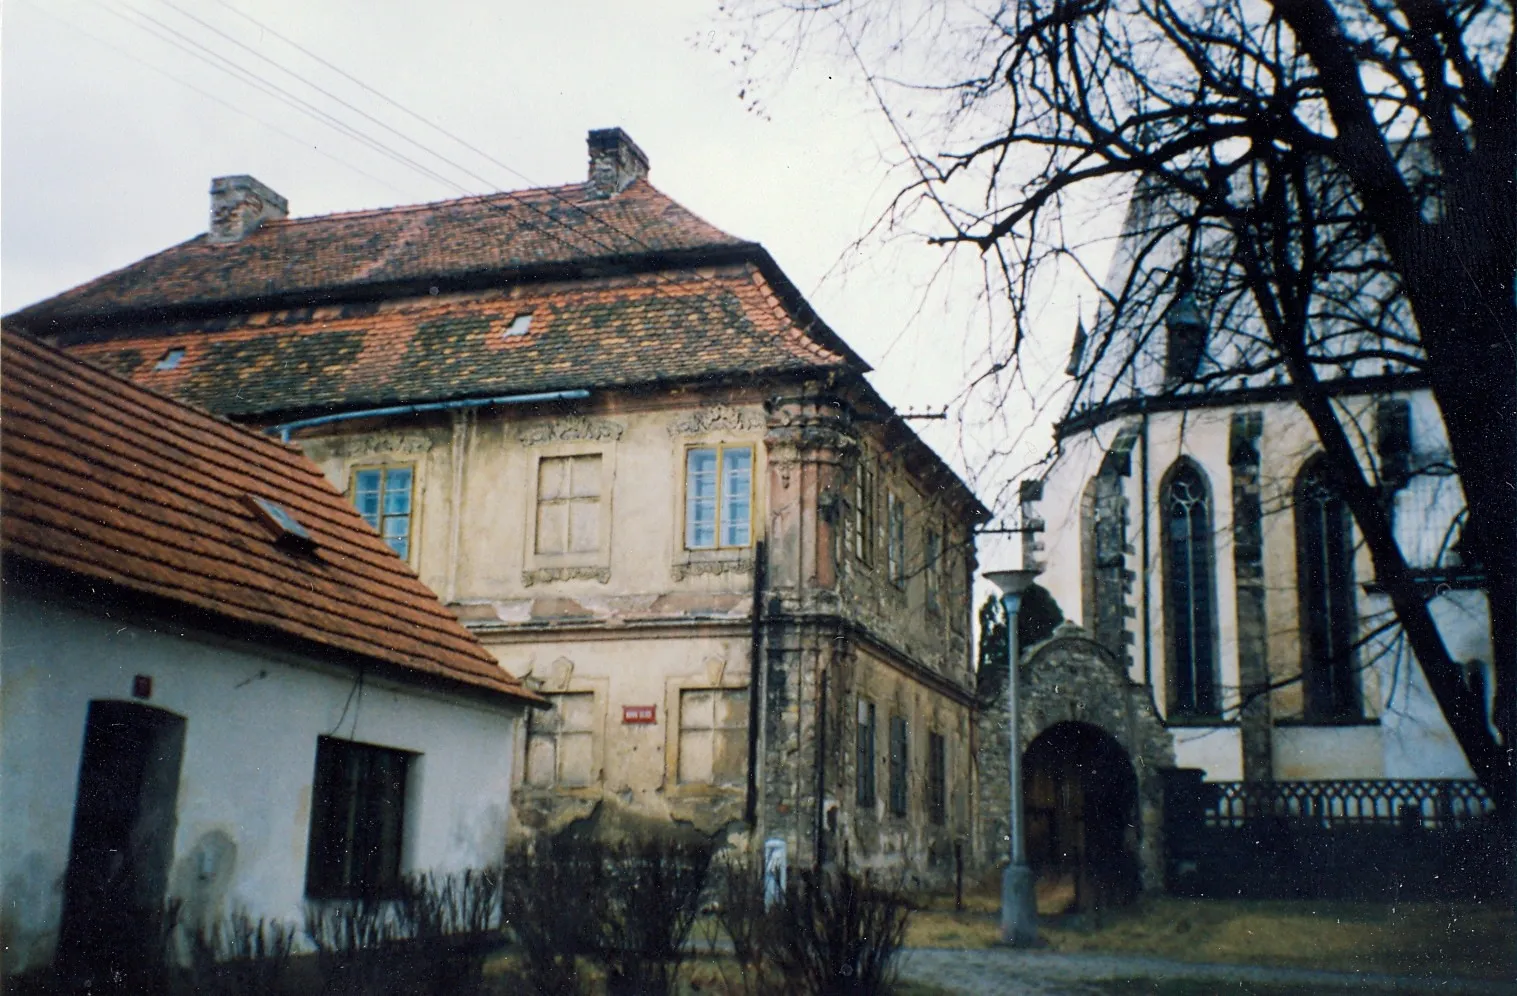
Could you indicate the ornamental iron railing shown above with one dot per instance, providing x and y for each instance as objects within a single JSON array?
[{"x": 1429, "y": 803}]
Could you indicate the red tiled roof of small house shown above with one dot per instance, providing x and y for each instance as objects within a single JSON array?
[{"x": 142, "y": 496}]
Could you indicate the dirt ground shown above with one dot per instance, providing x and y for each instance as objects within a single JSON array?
[{"x": 1470, "y": 940}]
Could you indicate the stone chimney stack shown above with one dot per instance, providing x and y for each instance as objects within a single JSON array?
[
  {"x": 615, "y": 161},
  {"x": 239, "y": 204}
]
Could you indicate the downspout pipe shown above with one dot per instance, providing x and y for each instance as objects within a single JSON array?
[
  {"x": 756, "y": 682},
  {"x": 286, "y": 428}
]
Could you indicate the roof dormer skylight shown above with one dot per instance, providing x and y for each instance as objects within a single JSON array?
[
  {"x": 520, "y": 325},
  {"x": 169, "y": 360},
  {"x": 286, "y": 528}
]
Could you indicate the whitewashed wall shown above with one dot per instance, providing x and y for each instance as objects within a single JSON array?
[
  {"x": 252, "y": 722},
  {"x": 1411, "y": 740}
]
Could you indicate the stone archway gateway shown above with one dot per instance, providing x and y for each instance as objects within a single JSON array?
[
  {"x": 1081, "y": 799},
  {"x": 1072, "y": 683}
]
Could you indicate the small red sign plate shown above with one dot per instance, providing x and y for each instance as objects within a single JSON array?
[{"x": 639, "y": 714}]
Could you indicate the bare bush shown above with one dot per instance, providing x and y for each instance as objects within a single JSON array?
[
  {"x": 240, "y": 955},
  {"x": 838, "y": 934},
  {"x": 547, "y": 901},
  {"x": 647, "y": 908},
  {"x": 737, "y": 904}
]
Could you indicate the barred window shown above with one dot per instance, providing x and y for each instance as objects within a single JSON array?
[
  {"x": 865, "y": 747},
  {"x": 899, "y": 760},
  {"x": 937, "y": 778},
  {"x": 569, "y": 504},
  {"x": 560, "y": 742},
  {"x": 713, "y": 736}
]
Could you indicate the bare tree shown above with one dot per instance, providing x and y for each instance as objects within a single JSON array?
[{"x": 1331, "y": 181}]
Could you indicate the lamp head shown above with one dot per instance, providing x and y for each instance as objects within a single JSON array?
[{"x": 1013, "y": 582}]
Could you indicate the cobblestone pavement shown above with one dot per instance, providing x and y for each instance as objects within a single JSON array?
[{"x": 997, "y": 971}]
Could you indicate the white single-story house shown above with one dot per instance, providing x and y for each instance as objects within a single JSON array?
[{"x": 219, "y": 688}]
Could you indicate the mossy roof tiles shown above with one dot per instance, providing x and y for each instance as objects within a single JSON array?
[
  {"x": 600, "y": 333},
  {"x": 446, "y": 241}
]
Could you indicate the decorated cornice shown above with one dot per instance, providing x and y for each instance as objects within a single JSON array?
[{"x": 573, "y": 428}]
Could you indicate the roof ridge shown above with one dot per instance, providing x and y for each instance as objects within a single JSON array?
[{"x": 396, "y": 209}]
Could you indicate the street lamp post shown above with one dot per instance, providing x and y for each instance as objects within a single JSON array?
[{"x": 1019, "y": 905}]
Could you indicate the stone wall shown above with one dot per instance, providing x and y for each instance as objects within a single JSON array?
[{"x": 1071, "y": 678}]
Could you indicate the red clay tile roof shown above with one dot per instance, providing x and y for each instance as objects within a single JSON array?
[
  {"x": 449, "y": 242},
  {"x": 117, "y": 484},
  {"x": 607, "y": 332}
]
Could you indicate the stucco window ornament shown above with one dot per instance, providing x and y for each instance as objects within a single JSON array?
[
  {"x": 717, "y": 418},
  {"x": 576, "y": 428},
  {"x": 548, "y": 575},
  {"x": 712, "y": 568},
  {"x": 385, "y": 443}
]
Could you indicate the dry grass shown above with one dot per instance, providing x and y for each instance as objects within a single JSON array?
[
  {"x": 1451, "y": 939},
  {"x": 1456, "y": 939}
]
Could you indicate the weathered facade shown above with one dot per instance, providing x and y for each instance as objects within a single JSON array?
[{"x": 638, "y": 468}]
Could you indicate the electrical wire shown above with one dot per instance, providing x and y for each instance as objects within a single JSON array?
[{"x": 125, "y": 53}]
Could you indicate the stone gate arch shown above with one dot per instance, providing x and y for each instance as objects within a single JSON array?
[{"x": 1070, "y": 678}]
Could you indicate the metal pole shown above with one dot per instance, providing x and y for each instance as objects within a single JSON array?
[
  {"x": 1019, "y": 906},
  {"x": 1012, "y": 604}
]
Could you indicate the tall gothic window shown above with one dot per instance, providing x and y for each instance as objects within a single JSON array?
[
  {"x": 1105, "y": 548},
  {"x": 1188, "y": 592},
  {"x": 1325, "y": 581}
]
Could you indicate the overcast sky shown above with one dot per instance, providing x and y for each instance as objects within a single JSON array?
[{"x": 117, "y": 114}]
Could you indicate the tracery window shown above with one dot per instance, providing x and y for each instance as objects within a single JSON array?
[
  {"x": 1105, "y": 548},
  {"x": 1189, "y": 587},
  {"x": 1325, "y": 582}
]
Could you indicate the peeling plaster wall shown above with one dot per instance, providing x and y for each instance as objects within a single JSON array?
[
  {"x": 641, "y": 618},
  {"x": 252, "y": 720},
  {"x": 874, "y": 835}
]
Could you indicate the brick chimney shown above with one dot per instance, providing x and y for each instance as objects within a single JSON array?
[
  {"x": 239, "y": 204},
  {"x": 615, "y": 161}
]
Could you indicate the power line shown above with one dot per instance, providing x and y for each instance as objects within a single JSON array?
[
  {"x": 218, "y": 61},
  {"x": 237, "y": 71},
  {"x": 552, "y": 192},
  {"x": 302, "y": 142}
]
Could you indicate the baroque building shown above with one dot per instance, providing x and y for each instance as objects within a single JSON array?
[{"x": 635, "y": 464}]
